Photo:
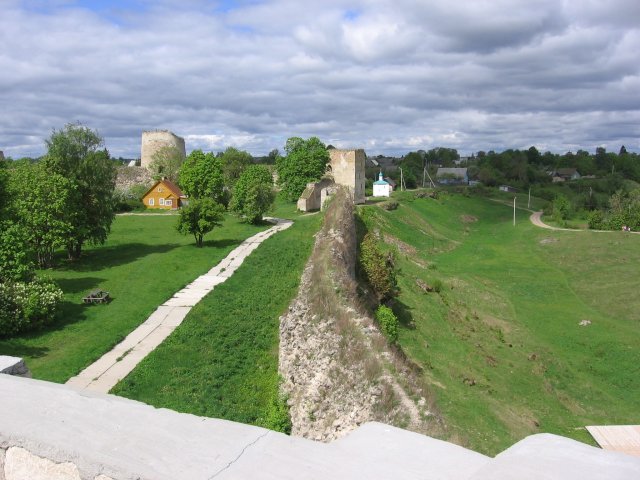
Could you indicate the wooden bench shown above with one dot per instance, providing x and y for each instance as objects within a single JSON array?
[{"x": 96, "y": 296}]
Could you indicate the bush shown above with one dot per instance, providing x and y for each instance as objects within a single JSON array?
[
  {"x": 596, "y": 220},
  {"x": 27, "y": 305},
  {"x": 388, "y": 323},
  {"x": 277, "y": 417},
  {"x": 389, "y": 205},
  {"x": 437, "y": 286},
  {"x": 378, "y": 268}
]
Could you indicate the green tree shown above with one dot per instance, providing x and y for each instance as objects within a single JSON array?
[
  {"x": 40, "y": 206},
  {"x": 306, "y": 161},
  {"x": 234, "y": 162},
  {"x": 166, "y": 163},
  {"x": 253, "y": 193},
  {"x": 561, "y": 208},
  {"x": 201, "y": 176},
  {"x": 15, "y": 255},
  {"x": 76, "y": 153},
  {"x": 199, "y": 218}
]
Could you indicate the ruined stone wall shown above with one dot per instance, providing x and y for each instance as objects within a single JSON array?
[
  {"x": 152, "y": 141},
  {"x": 348, "y": 169}
]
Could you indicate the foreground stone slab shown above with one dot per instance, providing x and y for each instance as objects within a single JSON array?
[
  {"x": 546, "y": 456},
  {"x": 124, "y": 439},
  {"x": 106, "y": 437}
]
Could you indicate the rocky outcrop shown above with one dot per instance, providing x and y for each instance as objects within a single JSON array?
[
  {"x": 337, "y": 368},
  {"x": 14, "y": 366}
]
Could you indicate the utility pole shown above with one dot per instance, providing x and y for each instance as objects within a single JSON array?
[
  {"x": 514, "y": 211},
  {"x": 529, "y": 201},
  {"x": 401, "y": 181}
]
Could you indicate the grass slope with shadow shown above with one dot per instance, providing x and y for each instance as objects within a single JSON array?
[
  {"x": 502, "y": 343},
  {"x": 222, "y": 361}
]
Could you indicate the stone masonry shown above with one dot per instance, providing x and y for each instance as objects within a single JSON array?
[
  {"x": 154, "y": 140},
  {"x": 347, "y": 168}
]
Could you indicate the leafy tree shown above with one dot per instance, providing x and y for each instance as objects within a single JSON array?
[
  {"x": 15, "y": 255},
  {"x": 40, "y": 206},
  {"x": 199, "y": 218},
  {"x": 253, "y": 194},
  {"x": 234, "y": 162},
  {"x": 306, "y": 161},
  {"x": 75, "y": 153},
  {"x": 166, "y": 162},
  {"x": 273, "y": 156},
  {"x": 201, "y": 176},
  {"x": 561, "y": 208}
]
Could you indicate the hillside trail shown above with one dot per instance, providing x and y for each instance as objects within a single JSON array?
[
  {"x": 537, "y": 221},
  {"x": 103, "y": 374}
]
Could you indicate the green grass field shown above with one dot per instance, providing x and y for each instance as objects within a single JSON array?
[
  {"x": 501, "y": 344},
  {"x": 222, "y": 361},
  {"x": 143, "y": 263}
]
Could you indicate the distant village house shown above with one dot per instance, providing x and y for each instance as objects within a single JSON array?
[
  {"x": 565, "y": 174},
  {"x": 452, "y": 176},
  {"x": 164, "y": 195}
]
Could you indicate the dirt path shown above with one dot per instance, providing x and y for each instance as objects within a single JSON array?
[{"x": 537, "y": 221}]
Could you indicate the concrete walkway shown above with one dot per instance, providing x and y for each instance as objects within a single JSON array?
[{"x": 102, "y": 375}]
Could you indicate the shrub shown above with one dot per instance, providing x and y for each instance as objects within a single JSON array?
[
  {"x": 388, "y": 323},
  {"x": 378, "y": 268},
  {"x": 277, "y": 417},
  {"x": 390, "y": 205},
  {"x": 437, "y": 286},
  {"x": 27, "y": 305},
  {"x": 596, "y": 220}
]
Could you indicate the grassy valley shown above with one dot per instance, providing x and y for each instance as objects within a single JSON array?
[{"x": 501, "y": 342}]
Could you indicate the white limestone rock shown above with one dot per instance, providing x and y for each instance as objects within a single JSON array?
[{"x": 20, "y": 464}]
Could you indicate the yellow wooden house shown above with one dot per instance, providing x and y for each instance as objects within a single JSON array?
[{"x": 165, "y": 195}]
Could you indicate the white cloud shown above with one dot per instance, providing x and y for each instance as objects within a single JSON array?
[{"x": 391, "y": 76}]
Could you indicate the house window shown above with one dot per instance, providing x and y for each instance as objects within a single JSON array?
[
  {"x": 151, "y": 203},
  {"x": 160, "y": 189},
  {"x": 161, "y": 202},
  {"x": 168, "y": 203}
]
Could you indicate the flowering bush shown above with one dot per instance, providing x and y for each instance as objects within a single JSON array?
[{"x": 27, "y": 305}]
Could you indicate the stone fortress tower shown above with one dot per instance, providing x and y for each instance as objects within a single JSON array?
[
  {"x": 154, "y": 140},
  {"x": 347, "y": 168}
]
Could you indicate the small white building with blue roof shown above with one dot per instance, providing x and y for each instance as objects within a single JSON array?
[{"x": 381, "y": 188}]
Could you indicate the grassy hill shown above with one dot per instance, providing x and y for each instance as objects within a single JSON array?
[{"x": 501, "y": 343}]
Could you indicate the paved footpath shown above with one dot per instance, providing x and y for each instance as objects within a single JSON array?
[{"x": 102, "y": 375}]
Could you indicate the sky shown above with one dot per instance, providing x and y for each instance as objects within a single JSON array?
[{"x": 387, "y": 76}]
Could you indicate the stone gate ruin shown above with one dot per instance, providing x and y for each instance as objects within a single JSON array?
[{"x": 346, "y": 167}]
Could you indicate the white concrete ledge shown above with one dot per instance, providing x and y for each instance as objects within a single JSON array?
[{"x": 85, "y": 435}]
